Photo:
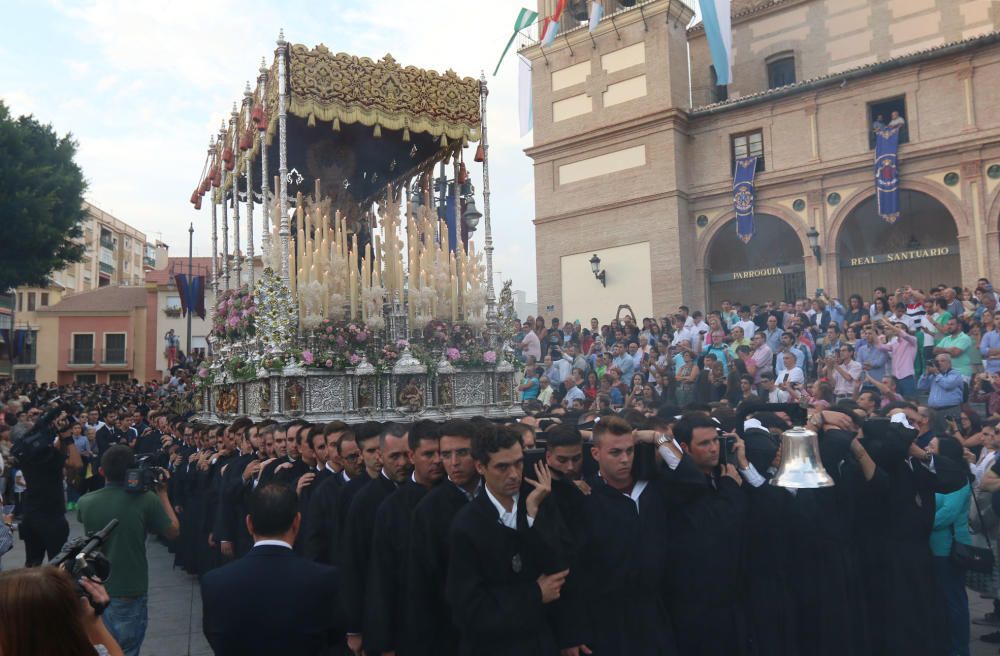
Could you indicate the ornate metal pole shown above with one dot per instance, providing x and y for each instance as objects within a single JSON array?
[
  {"x": 225, "y": 215},
  {"x": 283, "y": 233},
  {"x": 247, "y": 100},
  {"x": 265, "y": 183},
  {"x": 234, "y": 126},
  {"x": 491, "y": 300},
  {"x": 215, "y": 228}
]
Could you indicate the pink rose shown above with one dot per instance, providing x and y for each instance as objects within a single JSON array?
[
  {"x": 340, "y": 341},
  {"x": 329, "y": 363},
  {"x": 203, "y": 373},
  {"x": 355, "y": 358},
  {"x": 307, "y": 357},
  {"x": 490, "y": 357},
  {"x": 329, "y": 329},
  {"x": 452, "y": 353},
  {"x": 361, "y": 336},
  {"x": 234, "y": 321}
]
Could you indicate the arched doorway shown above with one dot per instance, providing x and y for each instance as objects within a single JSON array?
[
  {"x": 919, "y": 249},
  {"x": 769, "y": 268}
]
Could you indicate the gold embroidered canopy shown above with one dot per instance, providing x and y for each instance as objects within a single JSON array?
[{"x": 354, "y": 123}]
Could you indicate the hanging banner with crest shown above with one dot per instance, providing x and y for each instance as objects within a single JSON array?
[
  {"x": 886, "y": 172},
  {"x": 743, "y": 197}
]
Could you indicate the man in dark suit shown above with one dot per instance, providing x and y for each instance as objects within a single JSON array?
[{"x": 271, "y": 601}]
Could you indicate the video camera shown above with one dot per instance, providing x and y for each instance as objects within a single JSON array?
[
  {"x": 33, "y": 445},
  {"x": 81, "y": 557},
  {"x": 147, "y": 476}
]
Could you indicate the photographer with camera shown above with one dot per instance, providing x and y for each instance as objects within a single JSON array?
[
  {"x": 137, "y": 498},
  {"x": 44, "y": 453}
]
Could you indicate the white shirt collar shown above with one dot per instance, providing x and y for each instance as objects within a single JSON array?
[
  {"x": 347, "y": 479},
  {"x": 272, "y": 543},
  {"x": 508, "y": 519},
  {"x": 330, "y": 468}
]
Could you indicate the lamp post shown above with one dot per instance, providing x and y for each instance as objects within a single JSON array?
[
  {"x": 813, "y": 237},
  {"x": 190, "y": 309},
  {"x": 599, "y": 273}
]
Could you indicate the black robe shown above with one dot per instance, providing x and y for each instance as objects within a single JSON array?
[
  {"x": 385, "y": 591},
  {"x": 621, "y": 571},
  {"x": 322, "y": 528},
  {"x": 305, "y": 498},
  {"x": 705, "y": 522},
  {"x": 904, "y": 605},
  {"x": 428, "y": 622},
  {"x": 356, "y": 548},
  {"x": 492, "y": 579}
]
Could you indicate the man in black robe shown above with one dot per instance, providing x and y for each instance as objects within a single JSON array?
[
  {"x": 705, "y": 523},
  {"x": 291, "y": 466},
  {"x": 210, "y": 480},
  {"x": 429, "y": 627},
  {"x": 229, "y": 525},
  {"x": 322, "y": 540},
  {"x": 386, "y": 592},
  {"x": 620, "y": 568},
  {"x": 367, "y": 437},
  {"x": 359, "y": 526},
  {"x": 504, "y": 564}
]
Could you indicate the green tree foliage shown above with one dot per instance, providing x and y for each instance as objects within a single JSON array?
[{"x": 41, "y": 201}]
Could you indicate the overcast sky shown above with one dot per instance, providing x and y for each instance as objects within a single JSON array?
[{"x": 142, "y": 85}]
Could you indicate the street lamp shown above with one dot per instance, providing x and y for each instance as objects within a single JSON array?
[
  {"x": 471, "y": 215},
  {"x": 813, "y": 237},
  {"x": 595, "y": 267}
]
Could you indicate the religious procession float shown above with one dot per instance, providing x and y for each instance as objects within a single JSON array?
[{"x": 373, "y": 300}]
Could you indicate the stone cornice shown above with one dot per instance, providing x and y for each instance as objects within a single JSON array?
[{"x": 626, "y": 130}]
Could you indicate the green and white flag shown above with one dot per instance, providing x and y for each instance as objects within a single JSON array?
[{"x": 524, "y": 18}]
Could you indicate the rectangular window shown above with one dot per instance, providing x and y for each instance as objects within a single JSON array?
[
  {"x": 86, "y": 379},
  {"x": 28, "y": 349},
  {"x": 117, "y": 378},
  {"x": 31, "y": 301},
  {"x": 884, "y": 112},
  {"x": 114, "y": 348},
  {"x": 45, "y": 299},
  {"x": 20, "y": 302},
  {"x": 83, "y": 349},
  {"x": 748, "y": 144},
  {"x": 781, "y": 71}
]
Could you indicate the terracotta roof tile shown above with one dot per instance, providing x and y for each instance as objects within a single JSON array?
[{"x": 105, "y": 299}]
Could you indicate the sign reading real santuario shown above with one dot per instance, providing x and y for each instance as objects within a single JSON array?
[{"x": 900, "y": 256}]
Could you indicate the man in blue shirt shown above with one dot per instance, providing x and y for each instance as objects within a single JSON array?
[
  {"x": 946, "y": 387},
  {"x": 989, "y": 346},
  {"x": 624, "y": 362},
  {"x": 873, "y": 360}
]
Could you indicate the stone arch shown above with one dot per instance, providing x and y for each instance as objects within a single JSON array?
[
  {"x": 935, "y": 191},
  {"x": 793, "y": 221}
]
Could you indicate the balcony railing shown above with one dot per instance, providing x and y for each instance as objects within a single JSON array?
[
  {"x": 112, "y": 357},
  {"x": 81, "y": 356}
]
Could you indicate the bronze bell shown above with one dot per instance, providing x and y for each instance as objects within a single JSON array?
[{"x": 801, "y": 466}]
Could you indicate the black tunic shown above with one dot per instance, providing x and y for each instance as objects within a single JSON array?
[
  {"x": 429, "y": 625},
  {"x": 322, "y": 527},
  {"x": 356, "y": 548},
  {"x": 621, "y": 569},
  {"x": 706, "y": 518},
  {"x": 905, "y": 609},
  {"x": 385, "y": 592},
  {"x": 492, "y": 579}
]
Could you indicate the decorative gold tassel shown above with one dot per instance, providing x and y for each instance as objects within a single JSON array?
[
  {"x": 336, "y": 124},
  {"x": 378, "y": 131},
  {"x": 311, "y": 121},
  {"x": 406, "y": 134}
]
